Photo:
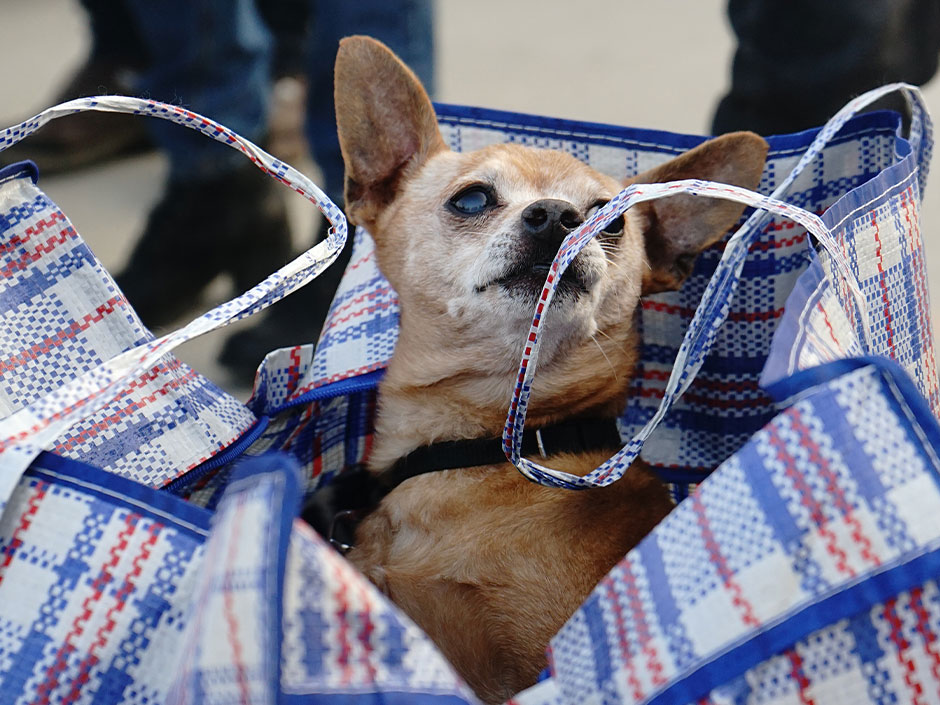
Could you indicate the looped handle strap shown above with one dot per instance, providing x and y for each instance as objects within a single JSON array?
[
  {"x": 27, "y": 431},
  {"x": 715, "y": 303}
]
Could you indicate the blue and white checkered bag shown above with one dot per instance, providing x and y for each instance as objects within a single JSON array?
[
  {"x": 112, "y": 588},
  {"x": 801, "y": 570}
]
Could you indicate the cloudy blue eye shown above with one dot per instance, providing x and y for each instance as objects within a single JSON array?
[{"x": 473, "y": 200}]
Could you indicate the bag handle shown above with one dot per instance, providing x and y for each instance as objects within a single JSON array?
[
  {"x": 715, "y": 304},
  {"x": 27, "y": 431}
]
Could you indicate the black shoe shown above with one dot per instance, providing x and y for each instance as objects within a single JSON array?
[
  {"x": 88, "y": 138},
  {"x": 296, "y": 320},
  {"x": 235, "y": 224}
]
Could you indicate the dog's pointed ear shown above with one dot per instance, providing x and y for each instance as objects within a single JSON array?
[
  {"x": 385, "y": 121},
  {"x": 680, "y": 227}
]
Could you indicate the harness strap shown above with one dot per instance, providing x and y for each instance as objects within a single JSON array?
[
  {"x": 337, "y": 508},
  {"x": 574, "y": 436}
]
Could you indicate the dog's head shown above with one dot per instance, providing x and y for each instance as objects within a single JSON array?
[{"x": 466, "y": 239}]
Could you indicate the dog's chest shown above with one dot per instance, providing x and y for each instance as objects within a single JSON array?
[{"x": 480, "y": 526}]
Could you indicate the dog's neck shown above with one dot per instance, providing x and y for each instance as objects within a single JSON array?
[{"x": 427, "y": 396}]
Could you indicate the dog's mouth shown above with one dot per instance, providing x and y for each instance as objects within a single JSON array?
[{"x": 528, "y": 278}]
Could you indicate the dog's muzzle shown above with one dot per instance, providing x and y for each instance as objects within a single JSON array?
[{"x": 543, "y": 227}]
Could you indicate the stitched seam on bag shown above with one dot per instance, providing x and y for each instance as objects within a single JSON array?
[
  {"x": 476, "y": 122},
  {"x": 473, "y": 122},
  {"x": 817, "y": 292},
  {"x": 13, "y": 177},
  {"x": 864, "y": 206},
  {"x": 915, "y": 423},
  {"x": 171, "y": 519}
]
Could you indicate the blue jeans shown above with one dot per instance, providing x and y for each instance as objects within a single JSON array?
[
  {"x": 214, "y": 57},
  {"x": 405, "y": 26}
]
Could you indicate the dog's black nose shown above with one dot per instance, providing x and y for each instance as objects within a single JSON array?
[{"x": 550, "y": 220}]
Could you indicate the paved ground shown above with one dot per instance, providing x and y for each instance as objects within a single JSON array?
[{"x": 628, "y": 62}]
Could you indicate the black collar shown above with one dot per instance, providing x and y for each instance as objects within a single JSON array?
[
  {"x": 335, "y": 509},
  {"x": 573, "y": 436}
]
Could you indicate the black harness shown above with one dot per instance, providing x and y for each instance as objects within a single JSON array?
[{"x": 336, "y": 509}]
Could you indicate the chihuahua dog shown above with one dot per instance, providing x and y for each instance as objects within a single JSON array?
[{"x": 489, "y": 564}]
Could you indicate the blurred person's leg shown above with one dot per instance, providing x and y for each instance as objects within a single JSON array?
[
  {"x": 407, "y": 28},
  {"x": 799, "y": 61},
  {"x": 219, "y": 213},
  {"x": 113, "y": 34},
  {"x": 213, "y": 57},
  {"x": 289, "y": 22},
  {"x": 115, "y": 60}
]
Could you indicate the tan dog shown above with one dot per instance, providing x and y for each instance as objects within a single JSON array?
[{"x": 489, "y": 564}]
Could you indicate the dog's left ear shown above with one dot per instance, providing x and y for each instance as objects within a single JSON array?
[{"x": 680, "y": 227}]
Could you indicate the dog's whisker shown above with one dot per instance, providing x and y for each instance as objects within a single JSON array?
[
  {"x": 609, "y": 363},
  {"x": 616, "y": 266}
]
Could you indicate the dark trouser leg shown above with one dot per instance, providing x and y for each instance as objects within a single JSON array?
[
  {"x": 407, "y": 28},
  {"x": 799, "y": 61},
  {"x": 219, "y": 213}
]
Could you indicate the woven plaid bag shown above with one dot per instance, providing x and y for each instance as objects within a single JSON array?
[
  {"x": 817, "y": 516},
  {"x": 804, "y": 568},
  {"x": 807, "y": 523},
  {"x": 113, "y": 589},
  {"x": 697, "y": 397}
]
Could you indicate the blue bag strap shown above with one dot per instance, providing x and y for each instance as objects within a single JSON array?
[
  {"x": 716, "y": 300},
  {"x": 27, "y": 431}
]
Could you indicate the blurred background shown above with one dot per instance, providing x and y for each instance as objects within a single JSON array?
[{"x": 662, "y": 65}]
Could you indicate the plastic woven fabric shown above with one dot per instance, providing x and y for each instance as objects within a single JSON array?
[{"x": 803, "y": 569}]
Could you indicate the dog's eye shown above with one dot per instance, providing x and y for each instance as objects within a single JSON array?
[
  {"x": 473, "y": 200},
  {"x": 614, "y": 227}
]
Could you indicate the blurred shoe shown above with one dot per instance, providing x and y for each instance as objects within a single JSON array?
[
  {"x": 296, "y": 320},
  {"x": 88, "y": 138},
  {"x": 234, "y": 224}
]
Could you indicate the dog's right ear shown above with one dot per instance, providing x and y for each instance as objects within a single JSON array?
[
  {"x": 386, "y": 124},
  {"x": 681, "y": 226}
]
